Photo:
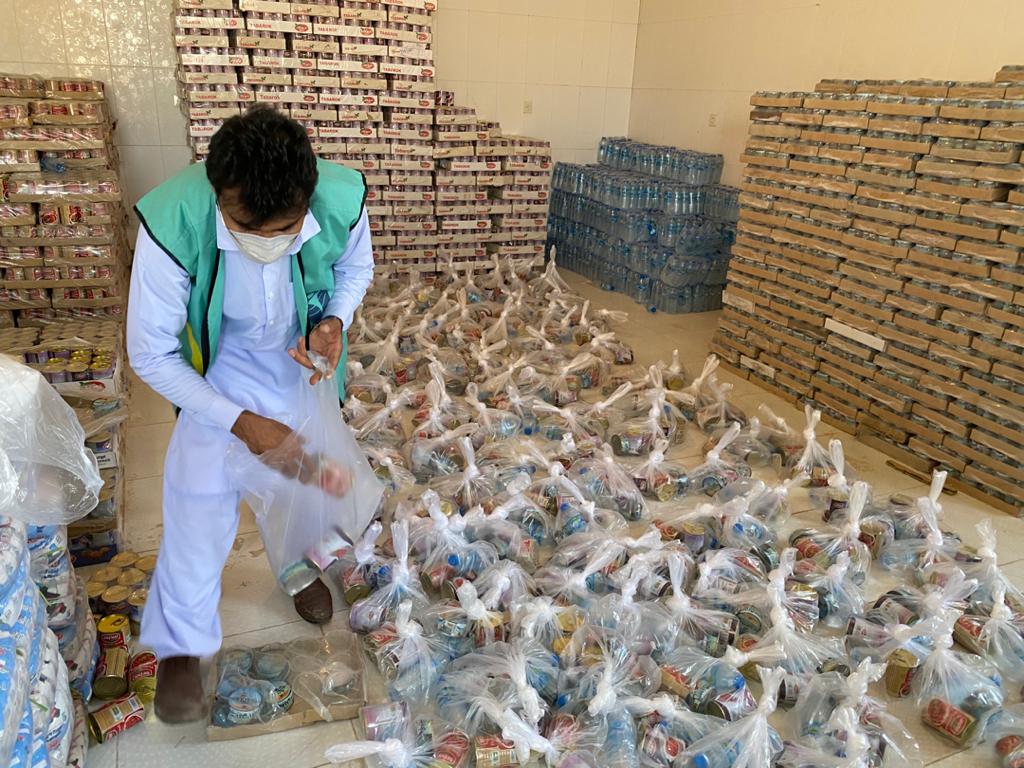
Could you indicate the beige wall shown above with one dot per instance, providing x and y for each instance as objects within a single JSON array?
[
  {"x": 701, "y": 57},
  {"x": 572, "y": 58}
]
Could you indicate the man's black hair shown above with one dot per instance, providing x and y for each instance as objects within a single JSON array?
[{"x": 268, "y": 158}]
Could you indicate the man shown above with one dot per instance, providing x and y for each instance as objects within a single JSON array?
[{"x": 243, "y": 264}]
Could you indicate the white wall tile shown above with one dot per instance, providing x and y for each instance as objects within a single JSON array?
[
  {"x": 40, "y": 31},
  {"x": 513, "y": 35},
  {"x": 142, "y": 168},
  {"x": 481, "y": 96},
  {"x": 483, "y": 33},
  {"x": 170, "y": 119},
  {"x": 509, "y": 112},
  {"x": 85, "y": 41},
  {"x": 567, "y": 60},
  {"x": 620, "y": 55},
  {"x": 596, "y": 42},
  {"x": 617, "y": 108},
  {"x": 128, "y": 33},
  {"x": 590, "y": 117},
  {"x": 450, "y": 44},
  {"x": 10, "y": 44},
  {"x": 135, "y": 107},
  {"x": 161, "y": 30},
  {"x": 175, "y": 159}
]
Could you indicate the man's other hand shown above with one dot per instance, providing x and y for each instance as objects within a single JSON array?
[
  {"x": 259, "y": 433},
  {"x": 325, "y": 340}
]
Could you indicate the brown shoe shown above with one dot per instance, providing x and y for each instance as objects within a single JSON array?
[
  {"x": 315, "y": 604},
  {"x": 179, "y": 690}
]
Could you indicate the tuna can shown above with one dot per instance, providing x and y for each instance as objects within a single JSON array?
[
  {"x": 900, "y": 672},
  {"x": 244, "y": 705},
  {"x": 142, "y": 675},
  {"x": 113, "y": 631},
  {"x": 494, "y": 752},
  {"x": 116, "y": 717},
  {"x": 271, "y": 664},
  {"x": 110, "y": 679},
  {"x": 950, "y": 721}
]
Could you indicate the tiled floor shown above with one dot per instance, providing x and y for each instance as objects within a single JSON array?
[{"x": 253, "y": 611}]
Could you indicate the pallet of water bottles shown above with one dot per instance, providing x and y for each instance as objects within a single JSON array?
[{"x": 652, "y": 222}]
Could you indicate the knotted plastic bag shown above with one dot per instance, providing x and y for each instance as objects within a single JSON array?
[{"x": 314, "y": 494}]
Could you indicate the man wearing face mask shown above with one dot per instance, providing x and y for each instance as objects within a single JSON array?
[{"x": 243, "y": 264}]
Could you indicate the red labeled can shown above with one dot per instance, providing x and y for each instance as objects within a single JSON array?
[
  {"x": 113, "y": 631},
  {"x": 142, "y": 675},
  {"x": 116, "y": 717}
]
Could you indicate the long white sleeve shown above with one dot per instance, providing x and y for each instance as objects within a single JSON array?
[
  {"x": 353, "y": 273},
  {"x": 157, "y": 312}
]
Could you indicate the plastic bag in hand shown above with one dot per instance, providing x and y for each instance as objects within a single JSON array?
[
  {"x": 408, "y": 660},
  {"x": 717, "y": 472},
  {"x": 747, "y": 743},
  {"x": 314, "y": 494},
  {"x": 958, "y": 693},
  {"x": 396, "y": 583},
  {"x": 659, "y": 479},
  {"x": 47, "y": 475},
  {"x": 356, "y": 572},
  {"x": 468, "y": 488},
  {"x": 608, "y": 485}
]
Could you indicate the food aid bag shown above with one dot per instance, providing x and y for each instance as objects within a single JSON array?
[
  {"x": 710, "y": 630},
  {"x": 839, "y": 598},
  {"x": 608, "y": 348},
  {"x": 673, "y": 374},
  {"x": 753, "y": 606},
  {"x": 825, "y": 546},
  {"x": 728, "y": 571},
  {"x": 645, "y": 626},
  {"x": 314, "y": 494},
  {"x": 470, "y": 486},
  {"x": 607, "y": 484},
  {"x": 659, "y": 479},
  {"x": 1002, "y": 641},
  {"x": 430, "y": 457},
  {"x": 369, "y": 388},
  {"x": 439, "y": 412},
  {"x": 494, "y": 423},
  {"x": 984, "y": 570},
  {"x": 419, "y": 745},
  {"x": 535, "y": 522},
  {"x": 915, "y": 556},
  {"x": 408, "y": 659},
  {"x": 847, "y": 745},
  {"x": 750, "y": 742},
  {"x": 554, "y": 423},
  {"x": 718, "y": 471},
  {"x": 465, "y": 623},
  {"x": 612, "y": 673},
  {"x": 771, "y": 503},
  {"x": 708, "y": 684},
  {"x": 787, "y": 442},
  {"x": 47, "y": 476},
  {"x": 719, "y": 413},
  {"x": 813, "y": 461},
  {"x": 389, "y": 466},
  {"x": 541, "y": 619},
  {"x": 835, "y": 497},
  {"x": 637, "y": 437},
  {"x": 665, "y": 727},
  {"x": 511, "y": 541},
  {"x": 503, "y": 584},
  {"x": 384, "y": 427},
  {"x": 957, "y": 693},
  {"x": 356, "y": 571},
  {"x": 397, "y": 582}
]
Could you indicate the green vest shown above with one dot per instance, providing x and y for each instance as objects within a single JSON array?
[{"x": 181, "y": 217}]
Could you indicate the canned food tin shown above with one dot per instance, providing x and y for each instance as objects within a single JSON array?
[
  {"x": 136, "y": 605},
  {"x": 271, "y": 664},
  {"x": 107, "y": 574},
  {"x": 110, "y": 680},
  {"x": 131, "y": 577},
  {"x": 93, "y": 590},
  {"x": 116, "y": 717},
  {"x": 142, "y": 675},
  {"x": 146, "y": 564},
  {"x": 115, "y": 600},
  {"x": 124, "y": 559},
  {"x": 244, "y": 705},
  {"x": 237, "y": 659},
  {"x": 494, "y": 752},
  {"x": 900, "y": 672},
  {"x": 950, "y": 721},
  {"x": 113, "y": 631}
]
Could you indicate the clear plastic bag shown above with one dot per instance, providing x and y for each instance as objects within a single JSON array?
[
  {"x": 728, "y": 571},
  {"x": 747, "y": 743},
  {"x": 646, "y": 627},
  {"x": 659, "y": 479},
  {"x": 914, "y": 556},
  {"x": 408, "y": 660},
  {"x": 528, "y": 664},
  {"x": 771, "y": 503},
  {"x": 607, "y": 484},
  {"x": 787, "y": 442},
  {"x": 555, "y": 423},
  {"x": 434, "y": 456},
  {"x": 665, "y": 727},
  {"x": 396, "y": 583},
  {"x": 356, "y": 571},
  {"x": 45, "y": 470},
  {"x": 958, "y": 693},
  {"x": 717, "y": 472},
  {"x": 718, "y": 414},
  {"x": 259, "y": 685},
  {"x": 440, "y": 541},
  {"x": 712, "y": 631},
  {"x": 531, "y": 519},
  {"x": 464, "y": 623},
  {"x": 611, "y": 674},
  {"x": 637, "y": 437},
  {"x": 749, "y": 447},
  {"x": 469, "y": 487},
  {"x": 407, "y": 751},
  {"x": 543, "y": 620},
  {"x": 814, "y": 461},
  {"x": 313, "y": 495},
  {"x": 510, "y": 541},
  {"x": 493, "y": 424},
  {"x": 708, "y": 684},
  {"x": 370, "y": 388},
  {"x": 1002, "y": 640},
  {"x": 825, "y": 547},
  {"x": 389, "y": 466},
  {"x": 440, "y": 412},
  {"x": 504, "y": 583},
  {"x": 839, "y": 598}
]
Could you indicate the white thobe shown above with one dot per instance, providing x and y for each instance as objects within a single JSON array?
[{"x": 251, "y": 371}]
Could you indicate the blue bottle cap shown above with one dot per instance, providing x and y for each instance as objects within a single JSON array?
[{"x": 700, "y": 761}]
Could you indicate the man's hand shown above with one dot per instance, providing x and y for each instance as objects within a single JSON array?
[
  {"x": 259, "y": 433},
  {"x": 325, "y": 340}
]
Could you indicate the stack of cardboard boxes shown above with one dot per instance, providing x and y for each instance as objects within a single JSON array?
[
  {"x": 878, "y": 269},
  {"x": 64, "y": 267},
  {"x": 443, "y": 185}
]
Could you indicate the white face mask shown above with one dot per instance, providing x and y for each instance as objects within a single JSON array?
[{"x": 263, "y": 250}]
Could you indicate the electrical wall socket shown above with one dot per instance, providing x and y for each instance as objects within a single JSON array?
[
  {"x": 713, "y": 120},
  {"x": 528, "y": 107}
]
